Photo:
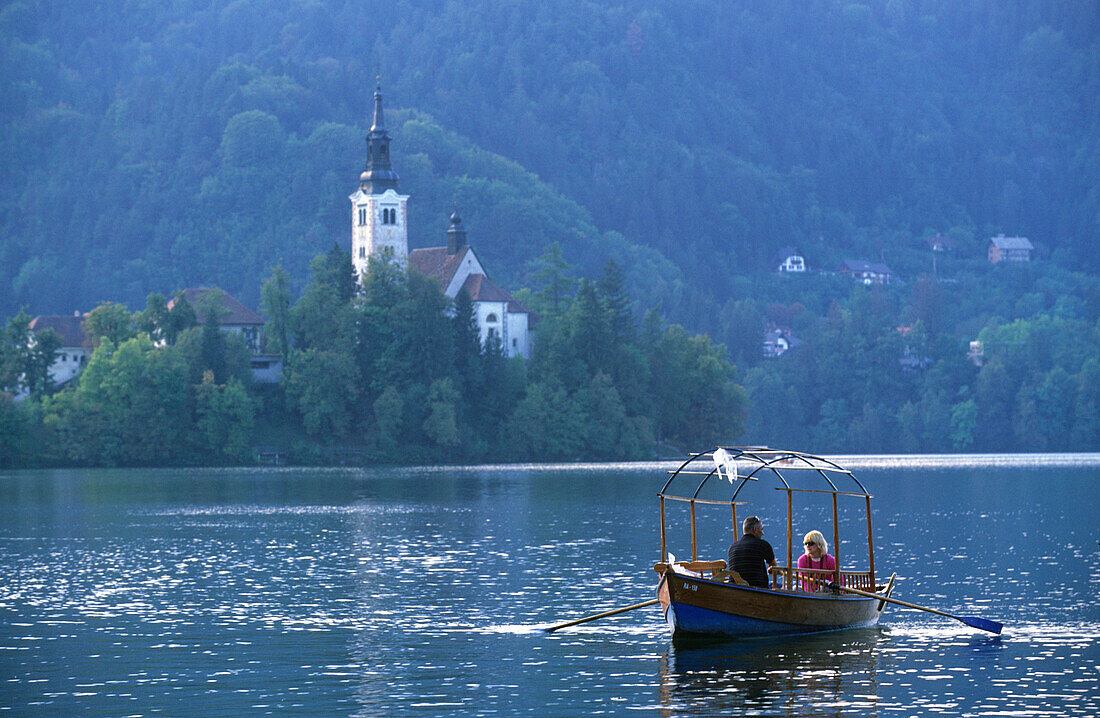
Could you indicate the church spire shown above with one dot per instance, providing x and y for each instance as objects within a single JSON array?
[
  {"x": 378, "y": 176},
  {"x": 379, "y": 124},
  {"x": 456, "y": 235}
]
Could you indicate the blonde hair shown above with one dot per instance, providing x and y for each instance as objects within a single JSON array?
[{"x": 818, "y": 539}]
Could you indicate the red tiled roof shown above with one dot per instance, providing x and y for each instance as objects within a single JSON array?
[
  {"x": 481, "y": 289},
  {"x": 436, "y": 262},
  {"x": 69, "y": 328},
  {"x": 232, "y": 311}
]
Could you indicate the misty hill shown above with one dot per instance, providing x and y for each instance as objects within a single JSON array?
[{"x": 200, "y": 142}]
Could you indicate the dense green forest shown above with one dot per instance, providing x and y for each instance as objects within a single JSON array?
[
  {"x": 389, "y": 371},
  {"x": 156, "y": 146}
]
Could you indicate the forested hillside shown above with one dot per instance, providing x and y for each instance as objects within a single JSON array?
[{"x": 148, "y": 147}]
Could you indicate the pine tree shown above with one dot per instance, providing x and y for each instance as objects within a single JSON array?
[{"x": 613, "y": 292}]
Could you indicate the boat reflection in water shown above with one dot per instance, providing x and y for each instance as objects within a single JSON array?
[{"x": 813, "y": 674}]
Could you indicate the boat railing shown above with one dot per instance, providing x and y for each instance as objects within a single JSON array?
[
  {"x": 799, "y": 580},
  {"x": 813, "y": 580}
]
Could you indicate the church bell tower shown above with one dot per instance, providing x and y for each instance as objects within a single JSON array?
[{"x": 378, "y": 213}]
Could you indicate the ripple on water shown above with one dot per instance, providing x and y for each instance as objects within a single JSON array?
[{"x": 415, "y": 597}]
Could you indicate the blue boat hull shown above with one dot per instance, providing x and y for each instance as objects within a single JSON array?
[{"x": 696, "y": 607}]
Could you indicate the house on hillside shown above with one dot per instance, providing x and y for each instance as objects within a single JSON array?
[
  {"x": 940, "y": 244},
  {"x": 911, "y": 358},
  {"x": 72, "y": 356},
  {"x": 867, "y": 272},
  {"x": 976, "y": 354},
  {"x": 378, "y": 219},
  {"x": 778, "y": 341},
  {"x": 1009, "y": 249},
  {"x": 233, "y": 316},
  {"x": 789, "y": 259}
]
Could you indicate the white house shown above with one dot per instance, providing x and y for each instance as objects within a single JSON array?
[
  {"x": 1009, "y": 249},
  {"x": 72, "y": 356},
  {"x": 378, "y": 223},
  {"x": 867, "y": 272},
  {"x": 778, "y": 341},
  {"x": 790, "y": 259}
]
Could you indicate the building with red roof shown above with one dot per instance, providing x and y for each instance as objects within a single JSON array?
[{"x": 379, "y": 225}]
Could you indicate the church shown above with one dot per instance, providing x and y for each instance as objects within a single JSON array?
[{"x": 379, "y": 214}]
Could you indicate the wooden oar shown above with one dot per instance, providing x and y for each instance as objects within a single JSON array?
[
  {"x": 605, "y": 614},
  {"x": 972, "y": 621}
]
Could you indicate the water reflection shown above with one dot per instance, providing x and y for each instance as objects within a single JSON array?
[
  {"x": 821, "y": 674},
  {"x": 421, "y": 593}
]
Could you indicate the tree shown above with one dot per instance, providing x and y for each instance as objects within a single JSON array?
[
  {"x": 964, "y": 419},
  {"x": 153, "y": 319},
  {"x": 1044, "y": 410},
  {"x": 213, "y": 340},
  {"x": 132, "y": 406},
  {"x": 995, "y": 396},
  {"x": 741, "y": 325},
  {"x": 607, "y": 431},
  {"x": 552, "y": 275},
  {"x": 168, "y": 320},
  {"x": 470, "y": 365},
  {"x": 110, "y": 321},
  {"x": 441, "y": 426},
  {"x": 322, "y": 318},
  {"x": 21, "y": 434},
  {"x": 694, "y": 393},
  {"x": 615, "y": 297},
  {"x": 224, "y": 420},
  {"x": 387, "y": 420},
  {"x": 26, "y": 357},
  {"x": 589, "y": 337},
  {"x": 545, "y": 424},
  {"x": 1086, "y": 407},
  {"x": 164, "y": 321},
  {"x": 321, "y": 385},
  {"x": 201, "y": 349},
  {"x": 275, "y": 304}
]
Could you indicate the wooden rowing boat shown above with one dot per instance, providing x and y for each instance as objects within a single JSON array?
[{"x": 703, "y": 599}]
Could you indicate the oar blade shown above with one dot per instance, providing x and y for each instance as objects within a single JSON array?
[{"x": 982, "y": 623}]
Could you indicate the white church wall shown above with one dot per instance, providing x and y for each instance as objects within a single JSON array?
[
  {"x": 470, "y": 265},
  {"x": 519, "y": 339},
  {"x": 491, "y": 321}
]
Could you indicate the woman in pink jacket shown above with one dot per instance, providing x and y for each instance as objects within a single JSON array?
[{"x": 816, "y": 556}]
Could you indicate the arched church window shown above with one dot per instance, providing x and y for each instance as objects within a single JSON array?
[
  {"x": 491, "y": 318},
  {"x": 362, "y": 253},
  {"x": 362, "y": 216}
]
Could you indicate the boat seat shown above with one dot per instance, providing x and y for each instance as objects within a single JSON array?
[
  {"x": 729, "y": 576},
  {"x": 696, "y": 568}
]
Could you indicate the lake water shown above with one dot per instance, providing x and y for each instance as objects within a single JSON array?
[{"x": 423, "y": 592}]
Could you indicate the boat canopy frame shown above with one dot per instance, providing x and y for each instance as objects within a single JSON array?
[{"x": 760, "y": 463}]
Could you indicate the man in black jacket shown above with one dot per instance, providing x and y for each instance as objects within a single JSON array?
[{"x": 750, "y": 554}]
